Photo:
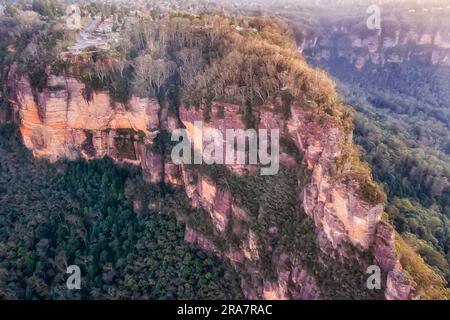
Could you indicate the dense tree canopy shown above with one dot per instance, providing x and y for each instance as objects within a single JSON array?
[{"x": 56, "y": 215}]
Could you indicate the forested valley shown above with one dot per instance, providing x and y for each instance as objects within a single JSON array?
[{"x": 102, "y": 217}]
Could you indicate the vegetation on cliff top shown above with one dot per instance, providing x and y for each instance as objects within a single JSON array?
[
  {"x": 244, "y": 60},
  {"x": 428, "y": 284}
]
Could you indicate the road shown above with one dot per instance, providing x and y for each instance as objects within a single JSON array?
[{"x": 87, "y": 38}]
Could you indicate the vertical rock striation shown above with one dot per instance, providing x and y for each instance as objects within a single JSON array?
[{"x": 66, "y": 121}]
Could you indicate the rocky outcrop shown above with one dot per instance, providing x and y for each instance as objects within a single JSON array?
[
  {"x": 339, "y": 213},
  {"x": 378, "y": 47},
  {"x": 67, "y": 121},
  {"x": 198, "y": 239},
  {"x": 398, "y": 285},
  {"x": 335, "y": 207}
]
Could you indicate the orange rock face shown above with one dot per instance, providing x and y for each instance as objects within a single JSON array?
[
  {"x": 335, "y": 208},
  {"x": 65, "y": 121},
  {"x": 62, "y": 122},
  {"x": 340, "y": 215}
]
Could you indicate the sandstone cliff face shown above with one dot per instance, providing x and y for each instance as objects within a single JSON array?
[
  {"x": 292, "y": 281},
  {"x": 67, "y": 121},
  {"x": 398, "y": 286},
  {"x": 378, "y": 47},
  {"x": 336, "y": 209},
  {"x": 340, "y": 215},
  {"x": 64, "y": 121}
]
